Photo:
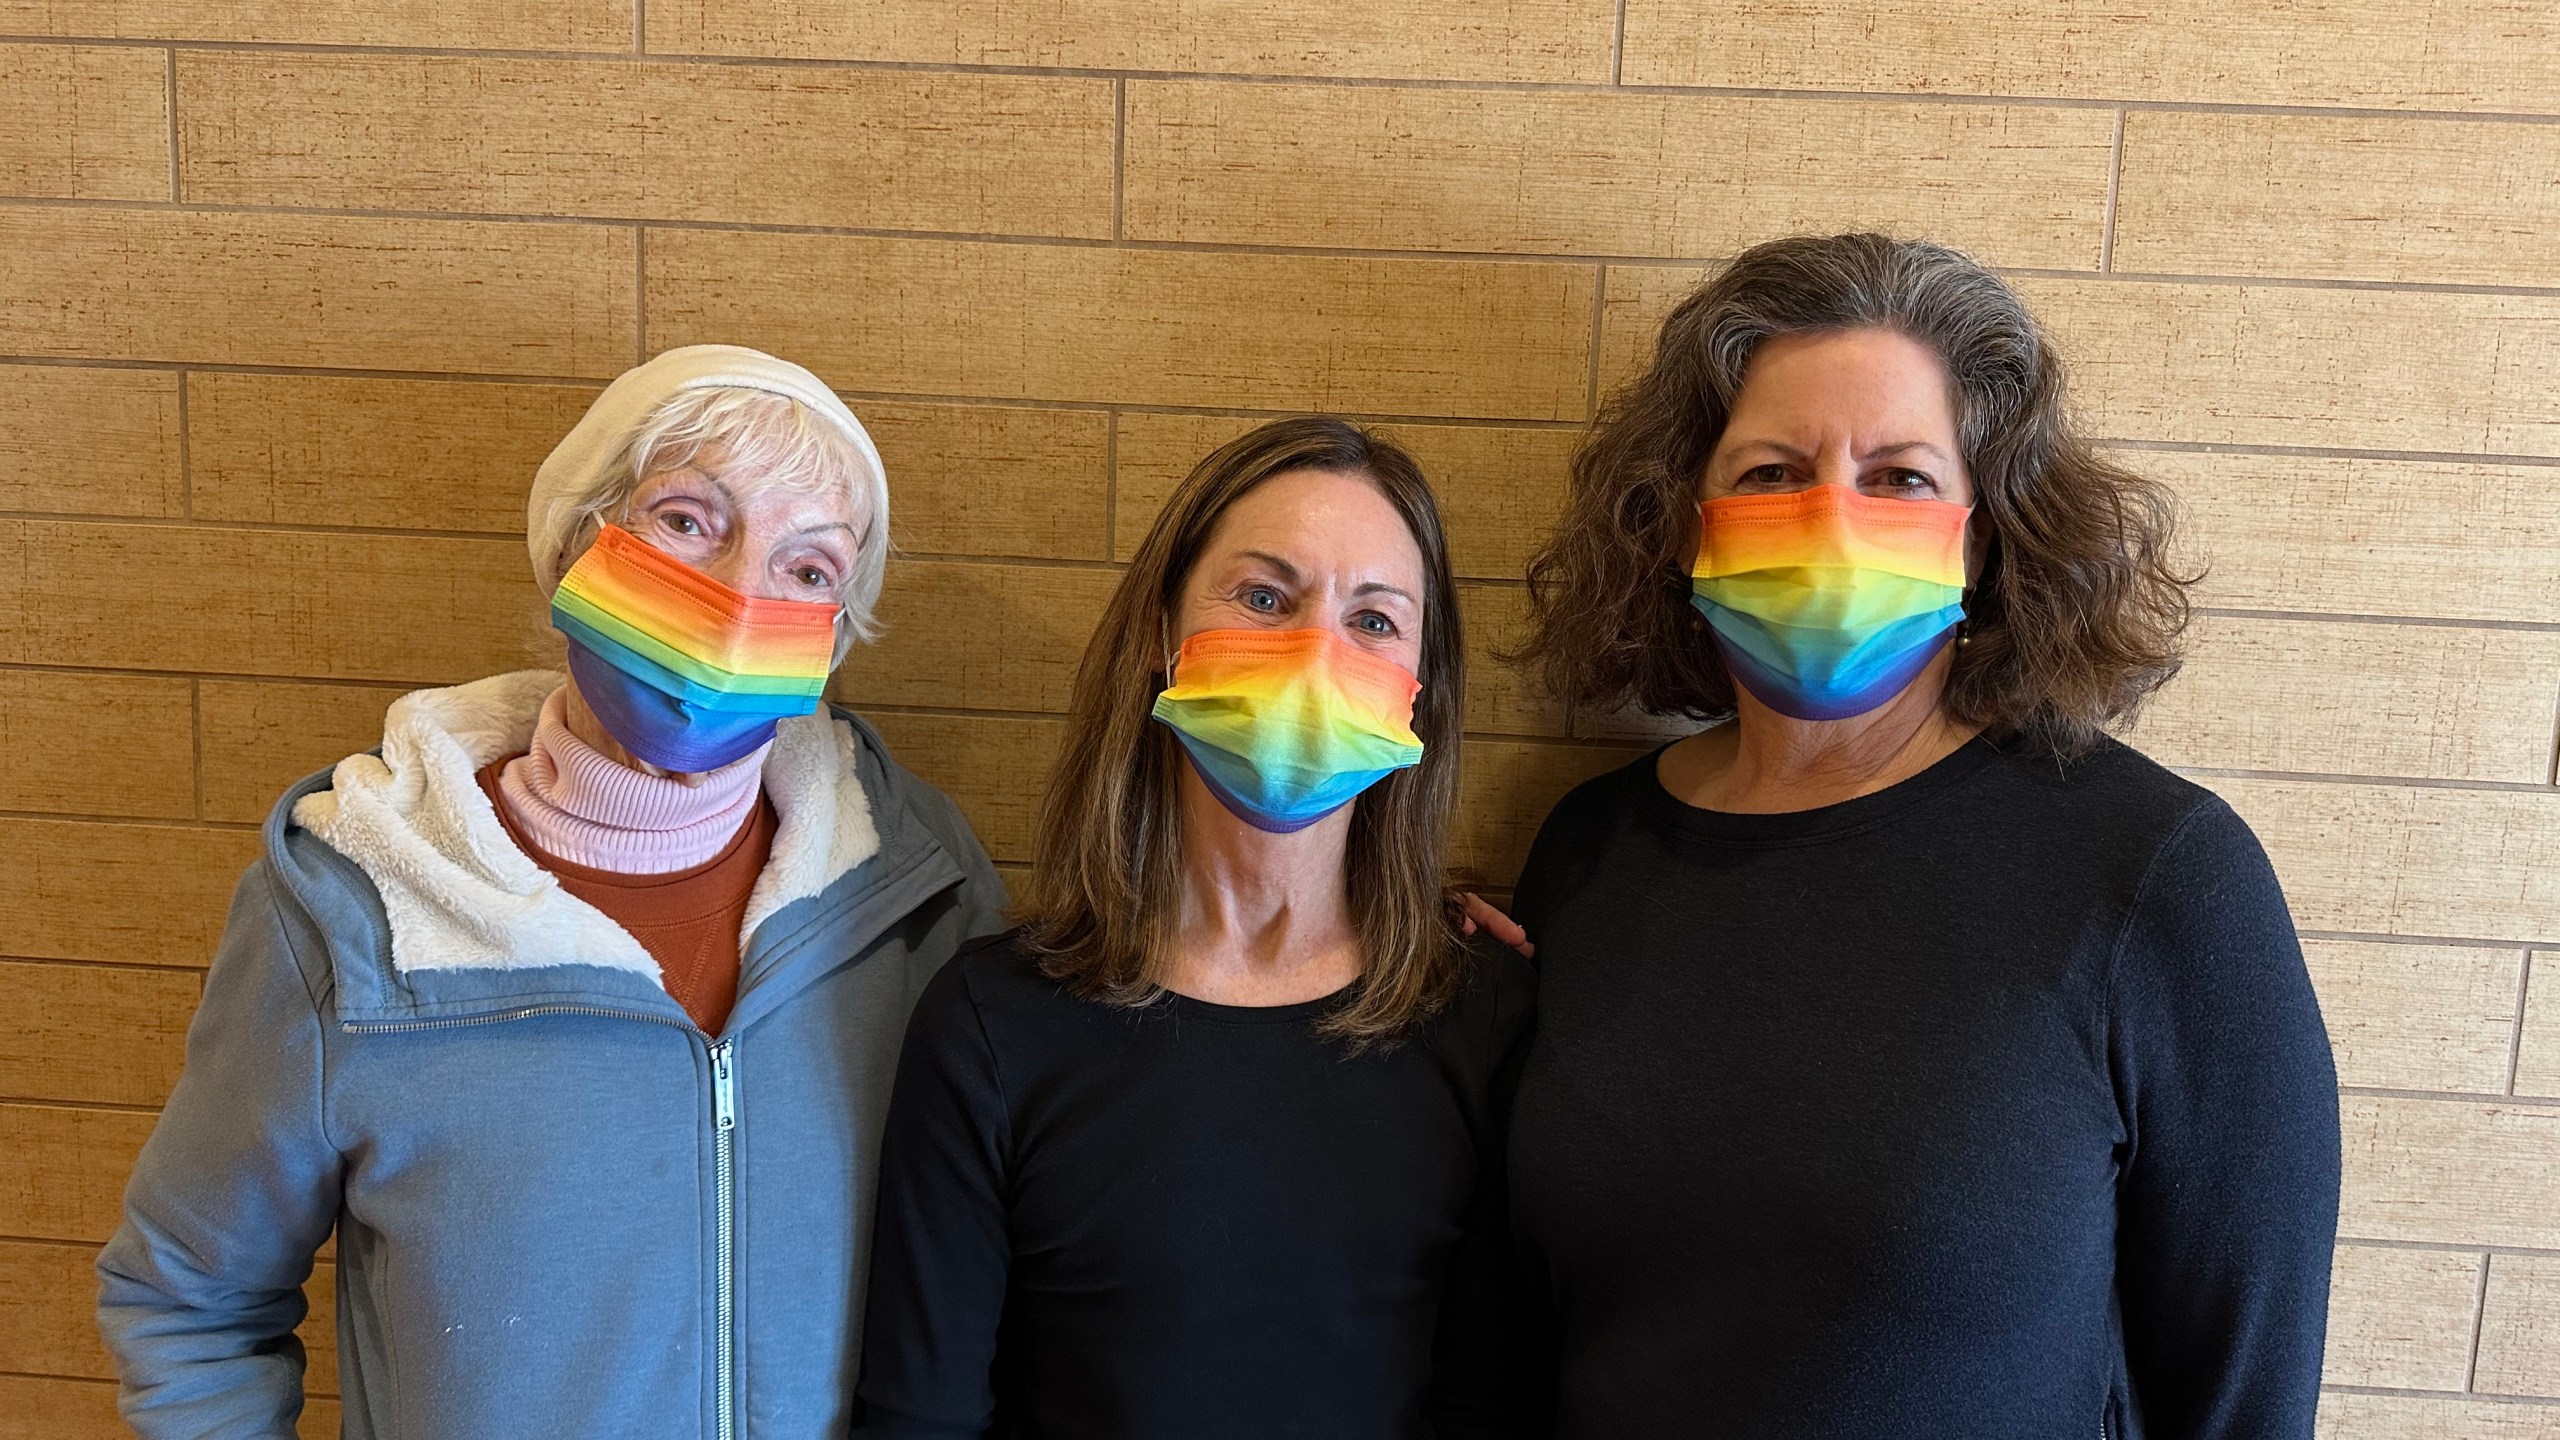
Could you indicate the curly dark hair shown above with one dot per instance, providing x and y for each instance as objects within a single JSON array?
[{"x": 2077, "y": 613}]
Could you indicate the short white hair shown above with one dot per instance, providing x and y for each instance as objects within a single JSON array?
[{"x": 774, "y": 440}]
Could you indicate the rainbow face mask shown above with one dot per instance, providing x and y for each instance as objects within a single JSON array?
[
  {"x": 687, "y": 673},
  {"x": 1826, "y": 602},
  {"x": 1287, "y": 726}
]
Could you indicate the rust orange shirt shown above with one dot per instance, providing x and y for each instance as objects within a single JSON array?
[{"x": 686, "y": 919}]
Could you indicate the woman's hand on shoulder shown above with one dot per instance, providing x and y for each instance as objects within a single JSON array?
[{"x": 1474, "y": 914}]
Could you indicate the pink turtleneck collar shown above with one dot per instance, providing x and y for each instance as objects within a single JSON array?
[{"x": 576, "y": 805}]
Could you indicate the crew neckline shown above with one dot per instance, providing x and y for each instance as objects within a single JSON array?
[
  {"x": 1296, "y": 1010},
  {"x": 1821, "y": 823}
]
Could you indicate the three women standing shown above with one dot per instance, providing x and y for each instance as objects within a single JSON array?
[{"x": 1912, "y": 1059}]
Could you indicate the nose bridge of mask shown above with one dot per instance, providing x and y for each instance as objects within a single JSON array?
[
  {"x": 1826, "y": 602},
  {"x": 1288, "y": 725},
  {"x": 1832, "y": 527},
  {"x": 1308, "y": 676},
  {"x": 686, "y": 631},
  {"x": 686, "y": 672}
]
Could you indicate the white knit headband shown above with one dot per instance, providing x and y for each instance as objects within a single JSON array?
[{"x": 577, "y": 468}]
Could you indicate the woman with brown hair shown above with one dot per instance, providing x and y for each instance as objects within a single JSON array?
[
  {"x": 1212, "y": 1145},
  {"x": 1914, "y": 1060}
]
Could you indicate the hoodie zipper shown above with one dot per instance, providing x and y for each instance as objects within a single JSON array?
[
  {"x": 724, "y": 1125},
  {"x": 525, "y": 1012}
]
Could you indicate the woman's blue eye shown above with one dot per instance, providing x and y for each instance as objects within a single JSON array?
[
  {"x": 1263, "y": 598},
  {"x": 1375, "y": 623}
]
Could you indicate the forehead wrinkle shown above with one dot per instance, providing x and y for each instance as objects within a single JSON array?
[{"x": 1291, "y": 572}]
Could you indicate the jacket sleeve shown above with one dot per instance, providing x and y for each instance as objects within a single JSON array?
[
  {"x": 238, "y": 1186},
  {"x": 984, "y": 899},
  {"x": 2229, "y": 1187},
  {"x": 943, "y": 1257}
]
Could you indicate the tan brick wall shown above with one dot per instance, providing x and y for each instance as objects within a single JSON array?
[{"x": 293, "y": 295}]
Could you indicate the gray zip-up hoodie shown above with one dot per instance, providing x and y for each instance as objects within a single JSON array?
[{"x": 561, "y": 1209}]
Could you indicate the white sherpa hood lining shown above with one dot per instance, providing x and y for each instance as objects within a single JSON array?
[{"x": 458, "y": 892}]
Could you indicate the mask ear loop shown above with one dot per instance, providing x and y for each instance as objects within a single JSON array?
[{"x": 1990, "y": 556}]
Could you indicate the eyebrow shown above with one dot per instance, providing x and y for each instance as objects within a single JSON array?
[
  {"x": 1287, "y": 571},
  {"x": 729, "y": 498},
  {"x": 1879, "y": 452},
  {"x": 1291, "y": 574}
]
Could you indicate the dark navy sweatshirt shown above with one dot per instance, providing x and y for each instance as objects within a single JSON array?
[{"x": 1995, "y": 1104}]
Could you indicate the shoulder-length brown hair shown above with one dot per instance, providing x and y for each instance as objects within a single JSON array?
[
  {"x": 2077, "y": 612},
  {"x": 1105, "y": 891}
]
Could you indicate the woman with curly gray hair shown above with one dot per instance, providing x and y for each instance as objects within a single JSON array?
[
  {"x": 1914, "y": 1059},
  {"x": 571, "y": 1011}
]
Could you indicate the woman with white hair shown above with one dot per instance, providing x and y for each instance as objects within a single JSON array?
[{"x": 572, "y": 1011}]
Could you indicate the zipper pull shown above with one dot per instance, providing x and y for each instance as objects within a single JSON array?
[{"x": 724, "y": 1099}]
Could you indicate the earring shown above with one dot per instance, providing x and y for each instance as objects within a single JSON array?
[{"x": 1964, "y": 633}]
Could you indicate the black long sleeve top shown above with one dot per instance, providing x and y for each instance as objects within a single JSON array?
[
  {"x": 1995, "y": 1104},
  {"x": 1193, "y": 1220}
]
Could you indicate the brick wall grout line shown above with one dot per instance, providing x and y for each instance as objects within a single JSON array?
[
  {"x": 1618, "y": 47},
  {"x": 2555, "y": 744},
  {"x": 1404, "y": 82},
  {"x": 44, "y": 1375},
  {"x": 177, "y": 189},
  {"x": 1119, "y": 156},
  {"x": 2115, "y": 184},
  {"x": 639, "y": 27},
  {"x": 1037, "y": 402},
  {"x": 2315, "y": 452},
  {"x": 2484, "y": 1397},
  {"x": 91, "y": 1246},
  {"x": 220, "y": 676},
  {"x": 39, "y": 1102},
  {"x": 1475, "y": 578},
  {"x": 2515, "y": 1037},
  {"x": 639, "y": 293},
  {"x": 148, "y": 822},
  {"x": 1110, "y": 487},
  {"x": 195, "y": 729},
  {"x": 2450, "y": 1097},
  {"x": 84, "y": 963},
  {"x": 2479, "y": 1318},
  {"x": 1545, "y": 258},
  {"x": 2236, "y": 612},
  {"x": 2363, "y": 937},
  {"x": 2331, "y": 777},
  {"x": 186, "y": 451},
  {"x": 1599, "y": 317},
  {"x": 322, "y": 372},
  {"x": 2446, "y": 1247}
]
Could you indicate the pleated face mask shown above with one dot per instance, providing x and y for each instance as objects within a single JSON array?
[
  {"x": 686, "y": 672},
  {"x": 1826, "y": 602},
  {"x": 1288, "y": 726}
]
